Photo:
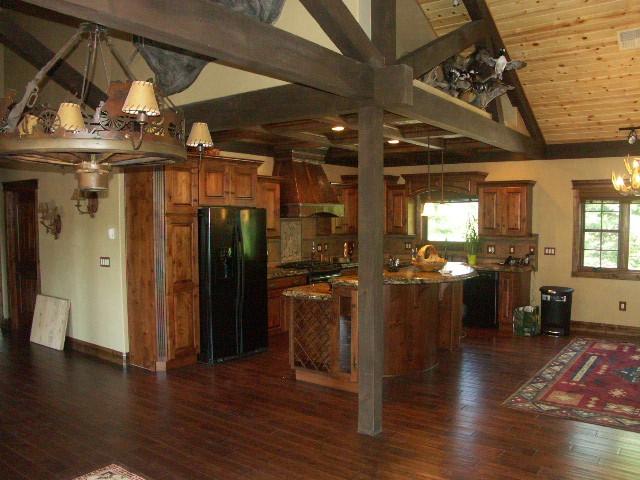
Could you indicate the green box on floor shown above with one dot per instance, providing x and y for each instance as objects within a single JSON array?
[{"x": 526, "y": 321}]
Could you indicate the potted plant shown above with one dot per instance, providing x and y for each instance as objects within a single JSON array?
[{"x": 471, "y": 241}]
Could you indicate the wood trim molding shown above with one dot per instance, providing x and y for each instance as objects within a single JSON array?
[
  {"x": 589, "y": 328},
  {"x": 97, "y": 351}
]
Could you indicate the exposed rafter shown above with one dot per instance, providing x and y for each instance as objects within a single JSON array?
[
  {"x": 313, "y": 138},
  {"x": 37, "y": 54},
  {"x": 429, "y": 56},
  {"x": 344, "y": 30},
  {"x": 478, "y": 10}
]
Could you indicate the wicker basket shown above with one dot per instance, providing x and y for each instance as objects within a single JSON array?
[{"x": 428, "y": 259}]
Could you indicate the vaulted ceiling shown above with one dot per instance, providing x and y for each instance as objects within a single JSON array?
[{"x": 581, "y": 86}]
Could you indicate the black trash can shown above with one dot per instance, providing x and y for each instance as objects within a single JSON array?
[{"x": 556, "y": 310}]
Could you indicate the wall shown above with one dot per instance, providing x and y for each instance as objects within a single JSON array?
[
  {"x": 69, "y": 265},
  {"x": 595, "y": 300}
]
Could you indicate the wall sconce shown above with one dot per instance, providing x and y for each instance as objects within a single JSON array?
[
  {"x": 50, "y": 218},
  {"x": 86, "y": 202}
]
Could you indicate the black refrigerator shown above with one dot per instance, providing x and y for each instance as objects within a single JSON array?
[{"x": 233, "y": 282}]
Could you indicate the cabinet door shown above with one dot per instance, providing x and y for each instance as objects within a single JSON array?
[
  {"x": 505, "y": 301},
  {"x": 183, "y": 323},
  {"x": 269, "y": 199},
  {"x": 489, "y": 222},
  {"x": 180, "y": 188},
  {"x": 514, "y": 211},
  {"x": 275, "y": 311},
  {"x": 396, "y": 217},
  {"x": 214, "y": 183},
  {"x": 244, "y": 185},
  {"x": 350, "y": 199}
]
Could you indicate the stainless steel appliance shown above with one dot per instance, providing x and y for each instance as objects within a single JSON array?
[
  {"x": 318, "y": 271},
  {"x": 233, "y": 282}
]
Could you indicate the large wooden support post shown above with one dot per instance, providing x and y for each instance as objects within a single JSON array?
[{"x": 370, "y": 258}]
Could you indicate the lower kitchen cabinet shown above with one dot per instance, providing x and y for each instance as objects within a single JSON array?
[
  {"x": 275, "y": 287},
  {"x": 513, "y": 291}
]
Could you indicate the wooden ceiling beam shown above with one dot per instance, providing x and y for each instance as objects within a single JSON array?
[
  {"x": 230, "y": 37},
  {"x": 29, "y": 48},
  {"x": 478, "y": 10},
  {"x": 440, "y": 112},
  {"x": 343, "y": 29},
  {"x": 312, "y": 138},
  {"x": 384, "y": 28},
  {"x": 429, "y": 56},
  {"x": 614, "y": 148}
]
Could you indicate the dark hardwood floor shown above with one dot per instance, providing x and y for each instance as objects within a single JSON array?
[{"x": 63, "y": 414}]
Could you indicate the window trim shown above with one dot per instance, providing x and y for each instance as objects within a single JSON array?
[{"x": 584, "y": 190}]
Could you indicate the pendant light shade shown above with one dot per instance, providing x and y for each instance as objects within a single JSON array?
[
  {"x": 141, "y": 99},
  {"x": 71, "y": 117},
  {"x": 199, "y": 135}
]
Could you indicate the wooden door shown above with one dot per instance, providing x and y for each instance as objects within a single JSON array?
[
  {"x": 21, "y": 199},
  {"x": 182, "y": 295},
  {"x": 514, "y": 206},
  {"x": 181, "y": 188},
  {"x": 489, "y": 222},
  {"x": 244, "y": 185},
  {"x": 214, "y": 183},
  {"x": 269, "y": 199},
  {"x": 396, "y": 217}
]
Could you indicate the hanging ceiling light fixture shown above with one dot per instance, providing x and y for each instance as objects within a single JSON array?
[
  {"x": 119, "y": 132},
  {"x": 628, "y": 184},
  {"x": 429, "y": 209}
]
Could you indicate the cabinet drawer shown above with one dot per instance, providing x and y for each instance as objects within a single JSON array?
[{"x": 287, "y": 282}]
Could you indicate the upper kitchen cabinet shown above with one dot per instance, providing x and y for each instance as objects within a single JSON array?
[
  {"x": 348, "y": 224},
  {"x": 181, "y": 186},
  {"x": 400, "y": 217},
  {"x": 228, "y": 181},
  {"x": 269, "y": 199},
  {"x": 505, "y": 208}
]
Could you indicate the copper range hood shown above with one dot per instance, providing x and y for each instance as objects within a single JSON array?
[{"x": 305, "y": 190}]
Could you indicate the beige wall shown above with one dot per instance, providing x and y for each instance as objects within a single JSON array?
[
  {"x": 69, "y": 265},
  {"x": 595, "y": 300}
]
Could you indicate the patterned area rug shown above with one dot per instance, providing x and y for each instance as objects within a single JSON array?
[
  {"x": 110, "y": 472},
  {"x": 592, "y": 381}
]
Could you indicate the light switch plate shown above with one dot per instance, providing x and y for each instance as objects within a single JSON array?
[
  {"x": 111, "y": 233},
  {"x": 512, "y": 249},
  {"x": 105, "y": 262},
  {"x": 549, "y": 250},
  {"x": 622, "y": 306},
  {"x": 491, "y": 249}
]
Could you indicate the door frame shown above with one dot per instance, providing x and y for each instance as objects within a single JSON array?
[{"x": 9, "y": 189}]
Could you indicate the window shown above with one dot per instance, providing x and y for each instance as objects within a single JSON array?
[
  {"x": 450, "y": 221},
  {"x": 606, "y": 233}
]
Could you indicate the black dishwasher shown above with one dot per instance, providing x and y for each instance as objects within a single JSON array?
[{"x": 480, "y": 299}]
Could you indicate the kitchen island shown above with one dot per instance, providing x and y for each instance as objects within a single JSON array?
[{"x": 423, "y": 312}]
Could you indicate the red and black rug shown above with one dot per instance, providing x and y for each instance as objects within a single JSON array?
[{"x": 594, "y": 381}]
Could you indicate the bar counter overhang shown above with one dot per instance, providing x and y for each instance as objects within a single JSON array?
[{"x": 422, "y": 312}]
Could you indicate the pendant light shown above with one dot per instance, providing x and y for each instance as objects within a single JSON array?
[{"x": 429, "y": 209}]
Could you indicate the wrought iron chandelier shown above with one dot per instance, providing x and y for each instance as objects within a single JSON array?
[
  {"x": 628, "y": 184},
  {"x": 128, "y": 128}
]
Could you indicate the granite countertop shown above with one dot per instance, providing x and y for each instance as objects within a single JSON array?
[
  {"x": 455, "y": 272},
  {"x": 316, "y": 291},
  {"x": 496, "y": 267},
  {"x": 277, "y": 272}
]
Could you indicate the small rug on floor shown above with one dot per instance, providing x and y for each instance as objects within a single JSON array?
[
  {"x": 110, "y": 472},
  {"x": 593, "y": 381}
]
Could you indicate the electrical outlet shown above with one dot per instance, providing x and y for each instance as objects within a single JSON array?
[
  {"x": 105, "y": 261},
  {"x": 491, "y": 249},
  {"x": 532, "y": 249},
  {"x": 512, "y": 249},
  {"x": 549, "y": 250},
  {"x": 622, "y": 306}
]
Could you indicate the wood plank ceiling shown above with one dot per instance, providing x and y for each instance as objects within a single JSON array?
[{"x": 581, "y": 86}]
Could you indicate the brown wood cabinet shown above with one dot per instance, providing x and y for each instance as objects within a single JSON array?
[
  {"x": 276, "y": 312},
  {"x": 505, "y": 208},
  {"x": 513, "y": 291},
  {"x": 348, "y": 196},
  {"x": 400, "y": 215},
  {"x": 162, "y": 266},
  {"x": 269, "y": 199},
  {"x": 228, "y": 181}
]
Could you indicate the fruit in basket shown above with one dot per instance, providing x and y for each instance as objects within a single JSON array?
[{"x": 428, "y": 259}]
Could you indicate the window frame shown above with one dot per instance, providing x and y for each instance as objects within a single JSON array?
[{"x": 601, "y": 190}]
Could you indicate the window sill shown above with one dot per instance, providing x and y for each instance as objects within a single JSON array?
[{"x": 607, "y": 275}]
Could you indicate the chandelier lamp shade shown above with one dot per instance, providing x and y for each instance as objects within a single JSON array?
[
  {"x": 199, "y": 136},
  {"x": 628, "y": 184},
  {"x": 131, "y": 126}
]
